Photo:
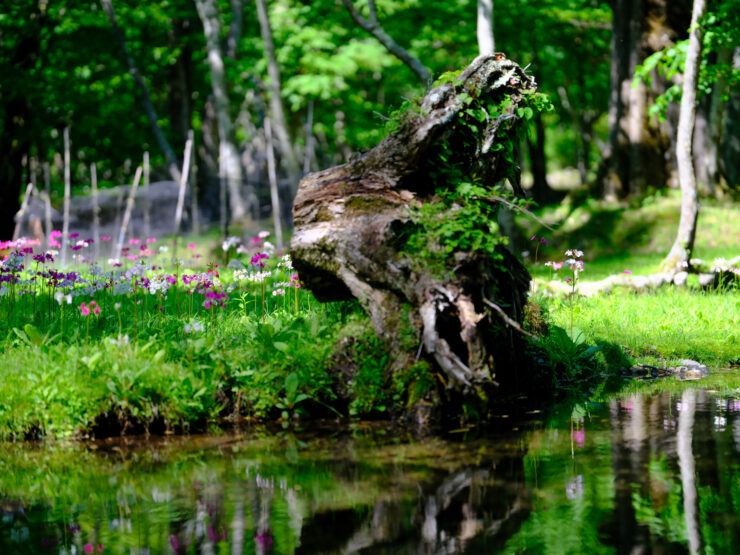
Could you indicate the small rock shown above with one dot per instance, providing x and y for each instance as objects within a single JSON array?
[
  {"x": 707, "y": 280},
  {"x": 681, "y": 278}
]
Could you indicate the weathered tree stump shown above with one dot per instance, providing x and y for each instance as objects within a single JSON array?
[{"x": 351, "y": 220}]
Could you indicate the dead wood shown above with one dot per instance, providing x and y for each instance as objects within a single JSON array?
[{"x": 351, "y": 220}]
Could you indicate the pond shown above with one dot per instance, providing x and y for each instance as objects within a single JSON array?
[{"x": 650, "y": 471}]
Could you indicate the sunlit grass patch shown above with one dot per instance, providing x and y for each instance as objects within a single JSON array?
[{"x": 667, "y": 324}]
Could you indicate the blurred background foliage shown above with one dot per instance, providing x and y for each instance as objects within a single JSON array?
[{"x": 62, "y": 65}]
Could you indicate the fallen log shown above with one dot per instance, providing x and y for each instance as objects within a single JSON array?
[
  {"x": 409, "y": 229},
  {"x": 711, "y": 276}
]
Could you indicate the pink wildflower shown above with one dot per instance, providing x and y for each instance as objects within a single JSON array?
[
  {"x": 133, "y": 241},
  {"x": 627, "y": 272},
  {"x": 84, "y": 309},
  {"x": 191, "y": 245},
  {"x": 151, "y": 239}
]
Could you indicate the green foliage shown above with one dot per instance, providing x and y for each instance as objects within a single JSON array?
[
  {"x": 462, "y": 220},
  {"x": 569, "y": 357},
  {"x": 721, "y": 32}
]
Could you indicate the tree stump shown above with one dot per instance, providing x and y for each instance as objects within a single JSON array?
[{"x": 352, "y": 221}]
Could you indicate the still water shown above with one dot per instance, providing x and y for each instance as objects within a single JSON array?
[{"x": 653, "y": 472}]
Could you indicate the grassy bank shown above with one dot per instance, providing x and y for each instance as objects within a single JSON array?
[
  {"x": 656, "y": 327},
  {"x": 172, "y": 345}
]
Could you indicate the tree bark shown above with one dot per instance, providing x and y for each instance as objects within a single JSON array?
[
  {"x": 683, "y": 246},
  {"x": 638, "y": 151},
  {"x": 372, "y": 26},
  {"x": 349, "y": 221},
  {"x": 484, "y": 29},
  {"x": 229, "y": 164},
  {"x": 287, "y": 154},
  {"x": 146, "y": 100}
]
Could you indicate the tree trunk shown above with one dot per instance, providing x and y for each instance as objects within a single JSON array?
[
  {"x": 730, "y": 146},
  {"x": 484, "y": 29},
  {"x": 680, "y": 253},
  {"x": 372, "y": 26},
  {"x": 280, "y": 126},
  {"x": 146, "y": 100},
  {"x": 229, "y": 164},
  {"x": 350, "y": 221},
  {"x": 637, "y": 156},
  {"x": 541, "y": 192}
]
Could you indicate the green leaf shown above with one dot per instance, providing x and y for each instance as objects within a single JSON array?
[
  {"x": 34, "y": 335},
  {"x": 280, "y": 346}
]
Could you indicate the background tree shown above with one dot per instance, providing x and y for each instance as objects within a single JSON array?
[{"x": 684, "y": 244}]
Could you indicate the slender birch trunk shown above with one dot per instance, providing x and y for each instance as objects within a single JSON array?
[
  {"x": 184, "y": 175},
  {"x": 127, "y": 213},
  {"x": 95, "y": 209},
  {"x": 22, "y": 212},
  {"x": 230, "y": 168},
  {"x": 147, "y": 200},
  {"x": 372, "y": 26},
  {"x": 67, "y": 194},
  {"x": 47, "y": 204},
  {"x": 309, "y": 153},
  {"x": 288, "y": 157},
  {"x": 274, "y": 197},
  {"x": 146, "y": 100},
  {"x": 193, "y": 181},
  {"x": 683, "y": 246},
  {"x": 486, "y": 41}
]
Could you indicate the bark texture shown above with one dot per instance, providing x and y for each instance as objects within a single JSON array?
[
  {"x": 684, "y": 244},
  {"x": 350, "y": 220},
  {"x": 639, "y": 152},
  {"x": 230, "y": 168}
]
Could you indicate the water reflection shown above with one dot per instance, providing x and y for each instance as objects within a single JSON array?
[{"x": 637, "y": 474}]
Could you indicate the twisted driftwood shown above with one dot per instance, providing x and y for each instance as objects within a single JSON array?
[{"x": 349, "y": 221}]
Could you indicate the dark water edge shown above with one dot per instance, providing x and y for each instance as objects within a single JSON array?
[{"x": 649, "y": 471}]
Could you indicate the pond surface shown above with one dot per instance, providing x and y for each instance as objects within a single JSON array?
[{"x": 644, "y": 472}]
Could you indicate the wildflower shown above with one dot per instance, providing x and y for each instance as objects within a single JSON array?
[
  {"x": 286, "y": 262},
  {"x": 193, "y": 327},
  {"x": 151, "y": 239},
  {"x": 627, "y": 272},
  {"x": 191, "y": 246},
  {"x": 133, "y": 241},
  {"x": 269, "y": 247},
  {"x": 263, "y": 234},
  {"x": 84, "y": 309},
  {"x": 163, "y": 248},
  {"x": 257, "y": 260},
  {"x": 62, "y": 298},
  {"x": 117, "y": 306},
  {"x": 105, "y": 238},
  {"x": 720, "y": 265},
  {"x": 575, "y": 253},
  {"x": 533, "y": 238},
  {"x": 230, "y": 242},
  {"x": 74, "y": 235},
  {"x": 280, "y": 291},
  {"x": 544, "y": 241}
]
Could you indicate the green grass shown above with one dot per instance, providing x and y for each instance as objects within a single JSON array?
[
  {"x": 664, "y": 325},
  {"x": 635, "y": 238}
]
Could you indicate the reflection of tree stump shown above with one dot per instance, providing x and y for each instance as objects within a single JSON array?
[{"x": 351, "y": 220}]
